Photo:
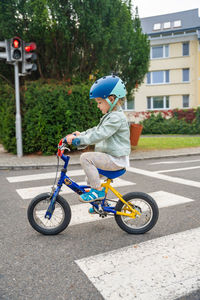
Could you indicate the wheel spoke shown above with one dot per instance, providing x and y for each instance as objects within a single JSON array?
[
  {"x": 40, "y": 211},
  {"x": 139, "y": 221}
]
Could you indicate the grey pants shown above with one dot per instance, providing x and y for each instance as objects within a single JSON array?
[{"x": 90, "y": 161}]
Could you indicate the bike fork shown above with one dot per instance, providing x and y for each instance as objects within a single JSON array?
[{"x": 51, "y": 207}]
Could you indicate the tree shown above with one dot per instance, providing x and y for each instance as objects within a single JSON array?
[{"x": 76, "y": 38}]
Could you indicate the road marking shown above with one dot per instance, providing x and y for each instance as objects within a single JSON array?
[
  {"x": 161, "y": 269},
  {"x": 164, "y": 177},
  {"x": 175, "y": 162},
  {"x": 165, "y": 199},
  {"x": 28, "y": 193},
  {"x": 177, "y": 170},
  {"x": 42, "y": 176},
  {"x": 80, "y": 213}
]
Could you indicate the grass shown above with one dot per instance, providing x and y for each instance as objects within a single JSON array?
[{"x": 167, "y": 142}]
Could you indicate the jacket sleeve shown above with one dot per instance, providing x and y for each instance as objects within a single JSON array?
[
  {"x": 103, "y": 131},
  {"x": 87, "y": 131}
]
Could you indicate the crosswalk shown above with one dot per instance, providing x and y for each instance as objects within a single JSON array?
[
  {"x": 28, "y": 193},
  {"x": 160, "y": 269}
]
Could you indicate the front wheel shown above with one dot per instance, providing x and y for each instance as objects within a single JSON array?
[
  {"x": 142, "y": 222},
  {"x": 59, "y": 220}
]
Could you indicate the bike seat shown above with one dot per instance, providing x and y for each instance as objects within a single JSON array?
[{"x": 111, "y": 174}]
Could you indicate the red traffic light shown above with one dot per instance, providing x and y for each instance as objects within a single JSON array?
[
  {"x": 30, "y": 47},
  {"x": 16, "y": 43}
]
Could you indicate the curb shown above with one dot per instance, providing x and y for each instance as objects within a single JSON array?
[{"x": 76, "y": 163}]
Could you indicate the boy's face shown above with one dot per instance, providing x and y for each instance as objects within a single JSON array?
[{"x": 103, "y": 105}]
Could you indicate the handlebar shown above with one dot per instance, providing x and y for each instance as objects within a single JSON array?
[{"x": 62, "y": 145}]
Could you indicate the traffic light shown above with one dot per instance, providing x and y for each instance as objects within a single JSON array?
[
  {"x": 16, "y": 49},
  {"x": 28, "y": 58},
  {"x": 5, "y": 50}
]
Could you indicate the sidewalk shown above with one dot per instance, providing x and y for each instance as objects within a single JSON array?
[{"x": 11, "y": 161}]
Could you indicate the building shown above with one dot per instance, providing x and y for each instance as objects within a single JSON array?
[{"x": 173, "y": 80}]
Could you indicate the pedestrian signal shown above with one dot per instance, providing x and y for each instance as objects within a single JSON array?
[
  {"x": 16, "y": 49},
  {"x": 28, "y": 58}
]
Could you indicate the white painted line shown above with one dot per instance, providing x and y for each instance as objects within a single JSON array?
[
  {"x": 161, "y": 269},
  {"x": 175, "y": 162},
  {"x": 177, "y": 170},
  {"x": 80, "y": 213},
  {"x": 165, "y": 199},
  {"x": 42, "y": 176},
  {"x": 28, "y": 193},
  {"x": 164, "y": 177}
]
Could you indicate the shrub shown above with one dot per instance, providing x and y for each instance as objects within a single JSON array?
[
  {"x": 181, "y": 122},
  {"x": 188, "y": 115},
  {"x": 7, "y": 116},
  {"x": 49, "y": 112}
]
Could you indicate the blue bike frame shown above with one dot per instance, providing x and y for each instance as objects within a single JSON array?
[{"x": 79, "y": 189}]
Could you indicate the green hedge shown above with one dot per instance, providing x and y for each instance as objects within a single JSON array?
[
  {"x": 49, "y": 112},
  {"x": 7, "y": 116},
  {"x": 182, "y": 122}
]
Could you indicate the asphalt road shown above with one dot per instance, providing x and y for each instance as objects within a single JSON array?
[{"x": 40, "y": 267}]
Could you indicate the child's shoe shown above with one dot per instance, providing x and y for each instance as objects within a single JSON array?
[
  {"x": 91, "y": 211},
  {"x": 92, "y": 195}
]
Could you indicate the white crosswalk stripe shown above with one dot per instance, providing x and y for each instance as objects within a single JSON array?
[
  {"x": 42, "y": 176},
  {"x": 161, "y": 269},
  {"x": 28, "y": 193},
  {"x": 164, "y": 177},
  {"x": 175, "y": 162},
  {"x": 177, "y": 170}
]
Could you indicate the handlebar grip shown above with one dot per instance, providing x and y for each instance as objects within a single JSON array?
[
  {"x": 76, "y": 142},
  {"x": 64, "y": 140}
]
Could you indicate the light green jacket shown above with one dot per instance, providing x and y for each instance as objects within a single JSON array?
[{"x": 111, "y": 135}]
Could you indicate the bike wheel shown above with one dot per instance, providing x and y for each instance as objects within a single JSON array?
[
  {"x": 142, "y": 223},
  {"x": 60, "y": 218}
]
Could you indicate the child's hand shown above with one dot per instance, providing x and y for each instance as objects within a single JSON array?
[
  {"x": 69, "y": 138},
  {"x": 77, "y": 133}
]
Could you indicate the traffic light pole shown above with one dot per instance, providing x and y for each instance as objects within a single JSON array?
[
  {"x": 18, "y": 114},
  {"x": 15, "y": 51}
]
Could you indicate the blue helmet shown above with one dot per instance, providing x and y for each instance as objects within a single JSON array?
[{"x": 106, "y": 86}]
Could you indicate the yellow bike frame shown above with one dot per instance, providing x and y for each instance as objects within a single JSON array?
[{"x": 133, "y": 211}]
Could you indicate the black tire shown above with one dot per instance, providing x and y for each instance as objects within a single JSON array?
[
  {"x": 139, "y": 201},
  {"x": 36, "y": 215}
]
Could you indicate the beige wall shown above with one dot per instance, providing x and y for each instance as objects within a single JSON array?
[
  {"x": 198, "y": 74},
  {"x": 176, "y": 88}
]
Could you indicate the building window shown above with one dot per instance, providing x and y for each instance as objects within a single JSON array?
[
  {"x": 186, "y": 75},
  {"x": 156, "y": 77},
  {"x": 185, "y": 100},
  {"x": 157, "y": 26},
  {"x": 129, "y": 105},
  {"x": 167, "y": 25},
  {"x": 158, "y": 102},
  {"x": 177, "y": 23},
  {"x": 161, "y": 51},
  {"x": 186, "y": 49}
]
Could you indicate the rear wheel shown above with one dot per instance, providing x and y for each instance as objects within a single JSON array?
[
  {"x": 59, "y": 220},
  {"x": 141, "y": 223}
]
